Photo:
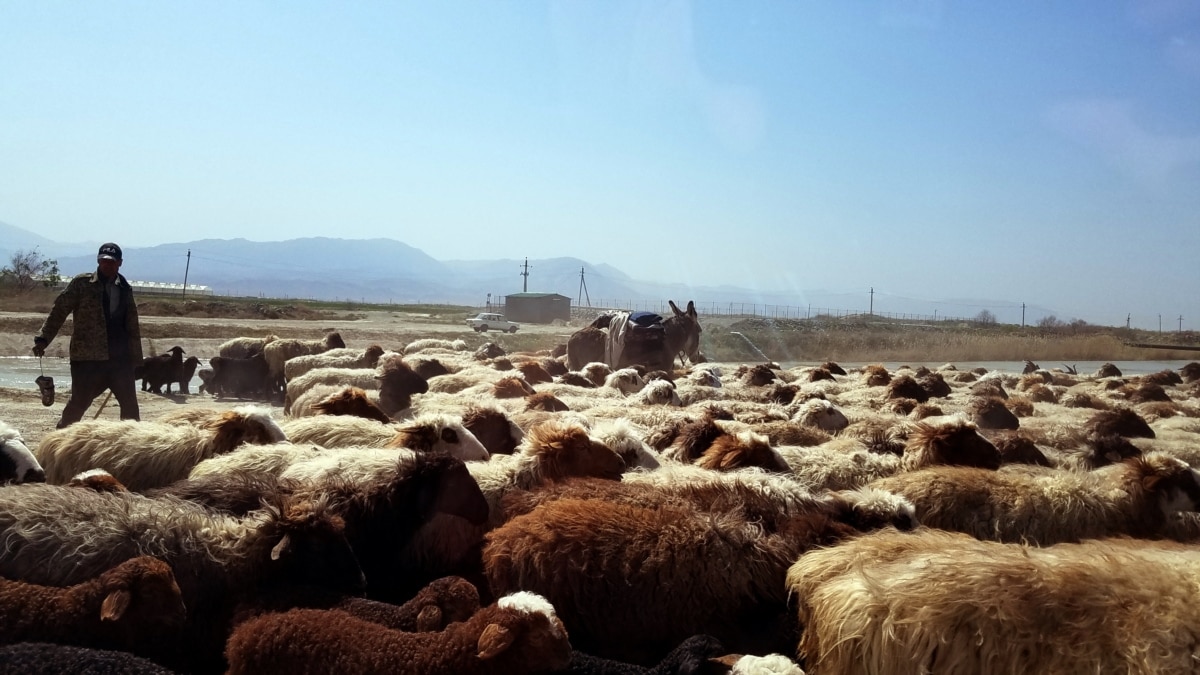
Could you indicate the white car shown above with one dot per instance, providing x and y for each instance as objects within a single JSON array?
[{"x": 485, "y": 321}]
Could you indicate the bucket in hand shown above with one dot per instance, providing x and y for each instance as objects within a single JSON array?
[{"x": 46, "y": 385}]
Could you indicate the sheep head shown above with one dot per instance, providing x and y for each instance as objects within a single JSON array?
[
  {"x": 141, "y": 594},
  {"x": 351, "y": 401},
  {"x": 737, "y": 451},
  {"x": 1176, "y": 484},
  {"x": 1122, "y": 422},
  {"x": 563, "y": 449},
  {"x": 439, "y": 433},
  {"x": 309, "y": 546},
  {"x": 956, "y": 443},
  {"x": 493, "y": 428},
  {"x": 867, "y": 509},
  {"x": 512, "y": 387},
  {"x": 397, "y": 385},
  {"x": 522, "y": 628},
  {"x": 876, "y": 376},
  {"x": 546, "y": 401},
  {"x": 245, "y": 424},
  {"x": 98, "y": 480}
]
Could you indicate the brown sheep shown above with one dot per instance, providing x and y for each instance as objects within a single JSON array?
[
  {"x": 955, "y": 442},
  {"x": 398, "y": 383},
  {"x": 1145, "y": 392},
  {"x": 990, "y": 413},
  {"x": 350, "y": 401},
  {"x": 534, "y": 372},
  {"x": 98, "y": 480},
  {"x": 427, "y": 367},
  {"x": 545, "y": 401},
  {"x": 1015, "y": 448},
  {"x": 923, "y": 410},
  {"x": 488, "y": 351},
  {"x": 1190, "y": 372},
  {"x": 990, "y": 387},
  {"x": 735, "y": 451},
  {"x": 904, "y": 386},
  {"x": 1108, "y": 370},
  {"x": 759, "y": 375},
  {"x": 576, "y": 380},
  {"x": 833, "y": 368},
  {"x": 875, "y": 375},
  {"x": 512, "y": 387},
  {"x": 499, "y": 434},
  {"x": 1163, "y": 377},
  {"x": 818, "y": 374},
  {"x": 1121, "y": 421}
]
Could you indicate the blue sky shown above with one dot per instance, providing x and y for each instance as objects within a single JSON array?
[{"x": 1046, "y": 153}]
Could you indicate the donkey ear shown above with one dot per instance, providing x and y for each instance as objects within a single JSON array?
[
  {"x": 691, "y": 310},
  {"x": 115, "y": 604},
  {"x": 674, "y": 308}
]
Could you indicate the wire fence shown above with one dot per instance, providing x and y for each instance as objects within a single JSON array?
[{"x": 756, "y": 310}]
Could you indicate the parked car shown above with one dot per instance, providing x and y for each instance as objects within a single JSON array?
[{"x": 485, "y": 321}]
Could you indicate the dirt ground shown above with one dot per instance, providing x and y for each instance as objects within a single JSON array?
[{"x": 23, "y": 409}]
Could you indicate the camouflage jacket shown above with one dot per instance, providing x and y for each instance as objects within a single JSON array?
[{"x": 84, "y": 297}]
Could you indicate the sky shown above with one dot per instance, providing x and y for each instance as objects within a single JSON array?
[{"x": 1046, "y": 153}]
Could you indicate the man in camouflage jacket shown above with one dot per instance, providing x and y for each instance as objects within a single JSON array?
[{"x": 106, "y": 341}]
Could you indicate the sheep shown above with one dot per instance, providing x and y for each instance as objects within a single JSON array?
[
  {"x": 244, "y": 347},
  {"x": 1015, "y": 448},
  {"x": 333, "y": 358},
  {"x": 488, "y": 351},
  {"x": 364, "y": 378},
  {"x": 350, "y": 401},
  {"x": 492, "y": 427},
  {"x": 534, "y": 373},
  {"x": 206, "y": 376},
  {"x": 939, "y": 602},
  {"x": 991, "y": 413},
  {"x": 822, "y": 414},
  {"x": 1047, "y": 506},
  {"x": 143, "y": 455},
  {"x": 544, "y": 400},
  {"x": 427, "y": 367},
  {"x": 551, "y": 451},
  {"x": 1190, "y": 372},
  {"x": 277, "y": 352},
  {"x": 1121, "y": 421},
  {"x": 620, "y": 436},
  {"x": 244, "y": 378},
  {"x": 575, "y": 379},
  {"x": 165, "y": 368},
  {"x": 954, "y": 441},
  {"x": 513, "y": 386},
  {"x": 433, "y": 432},
  {"x": 440, "y": 603},
  {"x": 692, "y": 439},
  {"x": 595, "y": 371},
  {"x": 17, "y": 463},
  {"x": 127, "y": 607},
  {"x": 257, "y": 459},
  {"x": 829, "y": 468},
  {"x": 519, "y": 633},
  {"x": 338, "y": 431},
  {"x": 683, "y": 570},
  {"x": 398, "y": 383},
  {"x": 39, "y": 658},
  {"x": 743, "y": 449},
  {"x": 691, "y": 656},
  {"x": 59, "y": 536},
  {"x": 658, "y": 392},
  {"x": 427, "y": 344},
  {"x": 904, "y": 386}
]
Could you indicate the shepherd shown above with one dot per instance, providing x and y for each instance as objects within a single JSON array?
[{"x": 106, "y": 341}]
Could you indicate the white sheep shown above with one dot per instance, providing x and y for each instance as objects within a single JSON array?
[
  {"x": 658, "y": 392},
  {"x": 822, "y": 414},
  {"x": 17, "y": 463},
  {"x": 144, "y": 455},
  {"x": 625, "y": 380},
  {"x": 256, "y": 459},
  {"x": 344, "y": 357},
  {"x": 363, "y": 378},
  {"x": 339, "y": 431},
  {"x": 277, "y": 352}
]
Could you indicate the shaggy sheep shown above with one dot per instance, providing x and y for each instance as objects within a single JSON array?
[
  {"x": 143, "y": 455},
  {"x": 1015, "y": 448},
  {"x": 513, "y": 386},
  {"x": 244, "y": 378},
  {"x": 1108, "y": 370},
  {"x": 434, "y": 432},
  {"x": 545, "y": 401},
  {"x": 127, "y": 607},
  {"x": 338, "y": 431},
  {"x": 493, "y": 428},
  {"x": 59, "y": 536},
  {"x": 1048, "y": 506},
  {"x": 244, "y": 347},
  {"x": 1121, "y": 422},
  {"x": 620, "y": 436},
  {"x": 433, "y": 344},
  {"x": 98, "y": 480},
  {"x": 488, "y": 351},
  {"x": 595, "y": 371},
  {"x": 626, "y": 380},
  {"x": 1190, "y": 372},
  {"x": 938, "y": 602},
  {"x": 819, "y": 413},
  {"x": 364, "y": 378},
  {"x": 991, "y": 413},
  {"x": 334, "y": 358},
  {"x": 904, "y": 386},
  {"x": 744, "y": 449},
  {"x": 691, "y": 656},
  {"x": 277, "y": 352},
  {"x": 658, "y": 392},
  {"x": 398, "y": 383},
  {"x": 575, "y": 379},
  {"x": 257, "y": 459},
  {"x": 683, "y": 570},
  {"x": 17, "y": 462},
  {"x": 348, "y": 401},
  {"x": 954, "y": 442},
  {"x": 519, "y": 633},
  {"x": 551, "y": 451},
  {"x": 428, "y": 367}
]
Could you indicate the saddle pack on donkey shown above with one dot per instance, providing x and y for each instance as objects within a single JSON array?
[{"x": 644, "y": 342}]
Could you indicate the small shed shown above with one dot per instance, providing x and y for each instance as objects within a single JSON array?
[{"x": 537, "y": 307}]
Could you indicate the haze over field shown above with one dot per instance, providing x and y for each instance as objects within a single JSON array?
[{"x": 946, "y": 155}]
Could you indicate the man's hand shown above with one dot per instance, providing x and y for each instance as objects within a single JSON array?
[{"x": 39, "y": 347}]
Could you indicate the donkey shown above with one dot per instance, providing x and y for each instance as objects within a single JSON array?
[{"x": 594, "y": 343}]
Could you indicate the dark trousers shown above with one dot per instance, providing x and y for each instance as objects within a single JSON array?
[{"x": 89, "y": 379}]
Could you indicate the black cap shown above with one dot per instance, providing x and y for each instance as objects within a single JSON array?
[{"x": 109, "y": 251}]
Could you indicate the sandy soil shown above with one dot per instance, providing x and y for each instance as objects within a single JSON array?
[{"x": 22, "y": 407}]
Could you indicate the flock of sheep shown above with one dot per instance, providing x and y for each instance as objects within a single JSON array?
[{"x": 442, "y": 509}]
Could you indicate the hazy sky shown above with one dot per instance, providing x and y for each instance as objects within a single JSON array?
[{"x": 1041, "y": 152}]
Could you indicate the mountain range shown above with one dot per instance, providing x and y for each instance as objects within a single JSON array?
[{"x": 386, "y": 270}]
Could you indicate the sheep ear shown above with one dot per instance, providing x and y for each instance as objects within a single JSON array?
[
  {"x": 1150, "y": 483},
  {"x": 115, "y": 604},
  {"x": 282, "y": 547},
  {"x": 429, "y": 619},
  {"x": 494, "y": 640}
]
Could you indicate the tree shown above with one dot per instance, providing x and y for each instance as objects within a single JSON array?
[
  {"x": 985, "y": 317},
  {"x": 1049, "y": 321},
  {"x": 27, "y": 269}
]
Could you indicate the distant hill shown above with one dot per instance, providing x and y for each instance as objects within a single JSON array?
[{"x": 386, "y": 270}]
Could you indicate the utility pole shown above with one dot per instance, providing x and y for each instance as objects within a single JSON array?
[
  {"x": 583, "y": 290},
  {"x": 185, "y": 272},
  {"x": 1160, "y": 323},
  {"x": 1180, "y": 323},
  {"x": 871, "y": 312},
  {"x": 525, "y": 282},
  {"x": 1022, "y": 315},
  {"x": 1127, "y": 320}
]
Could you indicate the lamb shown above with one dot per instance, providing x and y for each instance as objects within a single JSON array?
[
  {"x": 440, "y": 603},
  {"x": 59, "y": 536},
  {"x": 143, "y": 455},
  {"x": 277, "y": 352},
  {"x": 128, "y": 607},
  {"x": 244, "y": 347},
  {"x": 333, "y": 358},
  {"x": 17, "y": 462},
  {"x": 940, "y": 602},
  {"x": 519, "y": 633},
  {"x": 683, "y": 570},
  {"x": 165, "y": 368},
  {"x": 551, "y": 451},
  {"x": 1045, "y": 506}
]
